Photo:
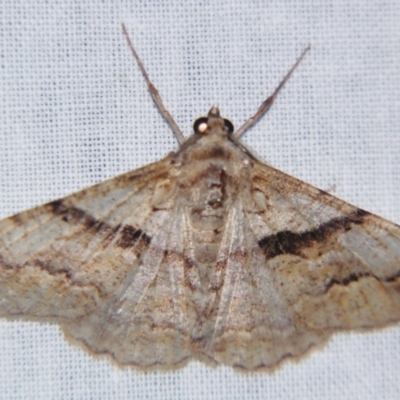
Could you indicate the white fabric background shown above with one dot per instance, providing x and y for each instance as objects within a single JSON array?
[{"x": 74, "y": 110}]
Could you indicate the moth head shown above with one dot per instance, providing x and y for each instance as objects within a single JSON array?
[{"x": 213, "y": 123}]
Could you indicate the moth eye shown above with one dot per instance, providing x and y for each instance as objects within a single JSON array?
[
  {"x": 229, "y": 126},
  {"x": 200, "y": 125}
]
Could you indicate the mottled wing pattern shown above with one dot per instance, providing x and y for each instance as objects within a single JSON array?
[
  {"x": 147, "y": 321},
  {"x": 115, "y": 266},
  {"x": 88, "y": 260},
  {"x": 206, "y": 254},
  {"x": 304, "y": 265}
]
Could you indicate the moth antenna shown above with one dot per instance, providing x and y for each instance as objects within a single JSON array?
[
  {"x": 153, "y": 91},
  {"x": 268, "y": 103}
]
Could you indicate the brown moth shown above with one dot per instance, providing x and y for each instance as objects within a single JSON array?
[{"x": 207, "y": 254}]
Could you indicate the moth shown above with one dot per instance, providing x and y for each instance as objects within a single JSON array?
[{"x": 207, "y": 254}]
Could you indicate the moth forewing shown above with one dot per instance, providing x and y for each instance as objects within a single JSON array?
[{"x": 207, "y": 254}]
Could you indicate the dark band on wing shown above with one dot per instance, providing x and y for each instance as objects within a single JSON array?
[
  {"x": 73, "y": 215},
  {"x": 129, "y": 235},
  {"x": 287, "y": 242},
  {"x": 393, "y": 278},
  {"x": 353, "y": 277}
]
